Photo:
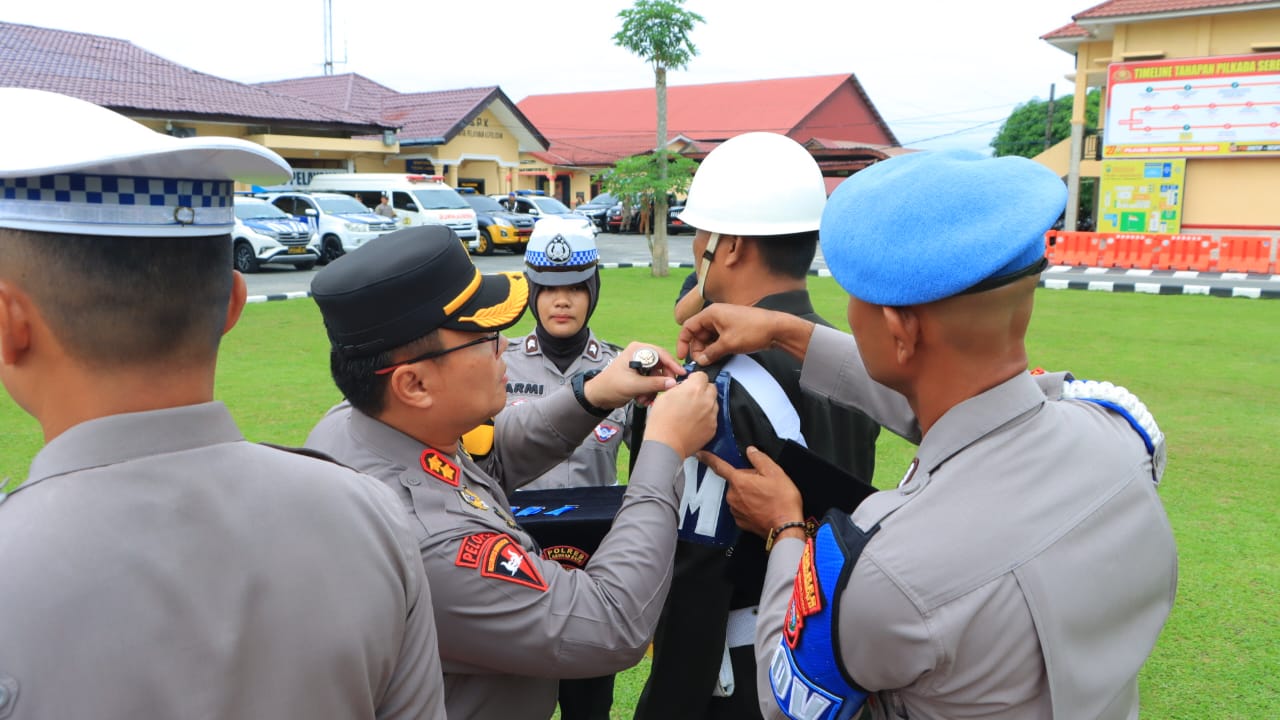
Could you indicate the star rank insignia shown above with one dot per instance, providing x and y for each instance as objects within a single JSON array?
[{"x": 440, "y": 467}]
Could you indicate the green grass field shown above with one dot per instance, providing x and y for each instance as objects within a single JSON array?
[{"x": 1207, "y": 368}]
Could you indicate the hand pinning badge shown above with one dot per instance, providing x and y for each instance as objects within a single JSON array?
[{"x": 644, "y": 360}]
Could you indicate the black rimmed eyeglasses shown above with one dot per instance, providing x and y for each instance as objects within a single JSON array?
[{"x": 495, "y": 338}]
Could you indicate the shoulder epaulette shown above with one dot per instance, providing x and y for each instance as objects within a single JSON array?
[{"x": 1121, "y": 401}]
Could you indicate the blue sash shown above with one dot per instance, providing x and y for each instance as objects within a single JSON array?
[
  {"x": 704, "y": 513},
  {"x": 805, "y": 674}
]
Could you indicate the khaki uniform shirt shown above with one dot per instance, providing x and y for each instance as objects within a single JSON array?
[
  {"x": 531, "y": 375},
  {"x": 512, "y": 623},
  {"x": 157, "y": 565},
  {"x": 1025, "y": 573}
]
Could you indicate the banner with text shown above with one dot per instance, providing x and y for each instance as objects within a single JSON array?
[
  {"x": 1143, "y": 196},
  {"x": 1209, "y": 106}
]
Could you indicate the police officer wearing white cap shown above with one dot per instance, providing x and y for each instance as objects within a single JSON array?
[
  {"x": 154, "y": 564},
  {"x": 757, "y": 254},
  {"x": 416, "y": 349},
  {"x": 1024, "y": 567}
]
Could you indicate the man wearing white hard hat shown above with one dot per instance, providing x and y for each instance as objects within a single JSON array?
[
  {"x": 154, "y": 563},
  {"x": 750, "y": 253}
]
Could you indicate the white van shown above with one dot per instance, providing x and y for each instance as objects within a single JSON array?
[{"x": 417, "y": 199}]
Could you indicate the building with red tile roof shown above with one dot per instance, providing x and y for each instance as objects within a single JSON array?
[
  {"x": 592, "y": 130},
  {"x": 473, "y": 137},
  {"x": 170, "y": 97},
  {"x": 1231, "y": 164}
]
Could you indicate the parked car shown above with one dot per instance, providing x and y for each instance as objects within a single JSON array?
[
  {"x": 498, "y": 226},
  {"x": 341, "y": 221},
  {"x": 615, "y": 223},
  {"x": 416, "y": 199},
  {"x": 620, "y": 221},
  {"x": 675, "y": 225},
  {"x": 263, "y": 233},
  {"x": 597, "y": 209},
  {"x": 540, "y": 206}
]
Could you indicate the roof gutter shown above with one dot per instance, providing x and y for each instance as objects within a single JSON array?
[{"x": 421, "y": 142}]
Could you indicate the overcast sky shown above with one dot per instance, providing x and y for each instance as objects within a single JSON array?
[{"x": 943, "y": 73}]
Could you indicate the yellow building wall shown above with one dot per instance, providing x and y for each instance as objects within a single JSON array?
[
  {"x": 1231, "y": 192},
  {"x": 1220, "y": 192}
]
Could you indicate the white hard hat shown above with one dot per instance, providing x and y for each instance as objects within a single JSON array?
[
  {"x": 756, "y": 184},
  {"x": 560, "y": 252},
  {"x": 109, "y": 175}
]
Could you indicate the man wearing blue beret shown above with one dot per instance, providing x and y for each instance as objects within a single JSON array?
[{"x": 1024, "y": 566}]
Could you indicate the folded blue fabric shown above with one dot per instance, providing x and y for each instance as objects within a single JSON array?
[{"x": 929, "y": 225}]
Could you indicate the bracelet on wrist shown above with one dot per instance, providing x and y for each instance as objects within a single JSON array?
[
  {"x": 580, "y": 393},
  {"x": 775, "y": 532}
]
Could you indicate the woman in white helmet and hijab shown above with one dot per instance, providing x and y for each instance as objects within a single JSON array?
[{"x": 564, "y": 288}]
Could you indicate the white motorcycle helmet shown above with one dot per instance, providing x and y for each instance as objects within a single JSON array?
[{"x": 560, "y": 252}]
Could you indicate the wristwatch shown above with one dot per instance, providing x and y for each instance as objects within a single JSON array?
[{"x": 580, "y": 395}]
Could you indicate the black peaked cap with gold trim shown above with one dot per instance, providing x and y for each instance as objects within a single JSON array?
[{"x": 405, "y": 284}]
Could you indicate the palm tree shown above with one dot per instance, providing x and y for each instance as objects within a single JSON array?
[{"x": 658, "y": 31}]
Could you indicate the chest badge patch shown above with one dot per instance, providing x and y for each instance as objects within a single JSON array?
[
  {"x": 472, "y": 499},
  {"x": 502, "y": 558},
  {"x": 805, "y": 597},
  {"x": 439, "y": 466},
  {"x": 605, "y": 432}
]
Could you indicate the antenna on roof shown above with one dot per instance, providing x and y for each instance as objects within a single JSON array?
[{"x": 328, "y": 40}]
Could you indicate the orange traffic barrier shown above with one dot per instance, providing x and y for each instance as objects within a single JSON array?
[
  {"x": 1245, "y": 253},
  {"x": 1126, "y": 250},
  {"x": 1147, "y": 252},
  {"x": 1259, "y": 260},
  {"x": 1079, "y": 248},
  {"x": 1051, "y": 246},
  {"x": 1206, "y": 254},
  {"x": 1184, "y": 251},
  {"x": 1108, "y": 251}
]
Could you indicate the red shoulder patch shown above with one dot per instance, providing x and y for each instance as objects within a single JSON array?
[
  {"x": 439, "y": 466},
  {"x": 472, "y": 546},
  {"x": 504, "y": 559},
  {"x": 805, "y": 597}
]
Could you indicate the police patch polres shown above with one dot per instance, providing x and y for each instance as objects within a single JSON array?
[
  {"x": 568, "y": 556},
  {"x": 604, "y": 432}
]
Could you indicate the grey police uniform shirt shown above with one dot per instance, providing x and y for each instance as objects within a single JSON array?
[
  {"x": 1026, "y": 572},
  {"x": 157, "y": 565},
  {"x": 512, "y": 623},
  {"x": 531, "y": 375}
]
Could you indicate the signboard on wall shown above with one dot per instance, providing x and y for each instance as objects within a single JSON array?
[
  {"x": 419, "y": 165},
  {"x": 1141, "y": 196},
  {"x": 1194, "y": 107}
]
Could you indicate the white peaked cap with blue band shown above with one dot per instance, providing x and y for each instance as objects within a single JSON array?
[{"x": 69, "y": 166}]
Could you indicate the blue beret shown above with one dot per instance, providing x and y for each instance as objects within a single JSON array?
[{"x": 929, "y": 225}]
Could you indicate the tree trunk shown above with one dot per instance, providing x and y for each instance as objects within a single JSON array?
[{"x": 660, "y": 265}]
